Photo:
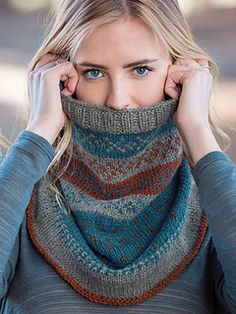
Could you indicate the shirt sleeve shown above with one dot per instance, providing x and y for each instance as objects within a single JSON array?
[
  {"x": 215, "y": 175},
  {"x": 23, "y": 165}
]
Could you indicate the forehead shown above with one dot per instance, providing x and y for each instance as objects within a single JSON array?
[{"x": 125, "y": 37}]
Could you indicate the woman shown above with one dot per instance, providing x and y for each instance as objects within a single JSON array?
[{"x": 99, "y": 208}]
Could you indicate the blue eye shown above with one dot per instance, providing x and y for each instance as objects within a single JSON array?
[
  {"x": 142, "y": 71},
  {"x": 94, "y": 73}
]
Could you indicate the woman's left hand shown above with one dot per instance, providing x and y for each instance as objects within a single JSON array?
[
  {"x": 196, "y": 82},
  {"x": 191, "y": 116}
]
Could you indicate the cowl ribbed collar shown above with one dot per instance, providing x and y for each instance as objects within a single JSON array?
[{"x": 124, "y": 121}]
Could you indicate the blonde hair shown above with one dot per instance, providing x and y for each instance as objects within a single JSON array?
[{"x": 75, "y": 19}]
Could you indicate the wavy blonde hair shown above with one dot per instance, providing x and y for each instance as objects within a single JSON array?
[{"x": 73, "y": 20}]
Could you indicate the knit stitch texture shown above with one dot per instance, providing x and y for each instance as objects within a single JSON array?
[{"x": 135, "y": 220}]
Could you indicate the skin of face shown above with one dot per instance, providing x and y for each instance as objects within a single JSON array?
[{"x": 113, "y": 46}]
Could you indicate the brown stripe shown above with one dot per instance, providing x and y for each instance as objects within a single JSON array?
[{"x": 109, "y": 191}]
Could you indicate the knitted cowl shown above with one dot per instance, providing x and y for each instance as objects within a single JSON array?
[{"x": 135, "y": 221}]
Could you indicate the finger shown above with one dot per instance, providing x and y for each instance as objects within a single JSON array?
[
  {"x": 171, "y": 87},
  {"x": 181, "y": 76},
  {"x": 202, "y": 62},
  {"x": 68, "y": 69},
  {"x": 72, "y": 78},
  {"x": 188, "y": 66},
  {"x": 176, "y": 75},
  {"x": 187, "y": 62},
  {"x": 50, "y": 64},
  {"x": 62, "y": 68},
  {"x": 45, "y": 59}
]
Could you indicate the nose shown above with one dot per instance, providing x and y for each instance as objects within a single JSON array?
[{"x": 118, "y": 95}]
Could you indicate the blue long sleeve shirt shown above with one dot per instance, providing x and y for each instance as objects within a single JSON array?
[{"x": 28, "y": 284}]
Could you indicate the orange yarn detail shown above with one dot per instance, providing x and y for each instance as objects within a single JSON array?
[{"x": 111, "y": 191}]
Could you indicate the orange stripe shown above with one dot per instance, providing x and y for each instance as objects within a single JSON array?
[{"x": 131, "y": 186}]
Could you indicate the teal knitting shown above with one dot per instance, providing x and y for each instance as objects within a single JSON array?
[{"x": 135, "y": 221}]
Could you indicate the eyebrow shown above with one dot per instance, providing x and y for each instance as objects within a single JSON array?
[{"x": 129, "y": 65}]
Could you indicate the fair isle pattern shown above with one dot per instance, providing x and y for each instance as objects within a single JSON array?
[
  {"x": 109, "y": 170},
  {"x": 135, "y": 220}
]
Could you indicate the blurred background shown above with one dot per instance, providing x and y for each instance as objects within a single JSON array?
[{"x": 22, "y": 25}]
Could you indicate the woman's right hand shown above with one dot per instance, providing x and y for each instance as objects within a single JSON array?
[{"x": 46, "y": 115}]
